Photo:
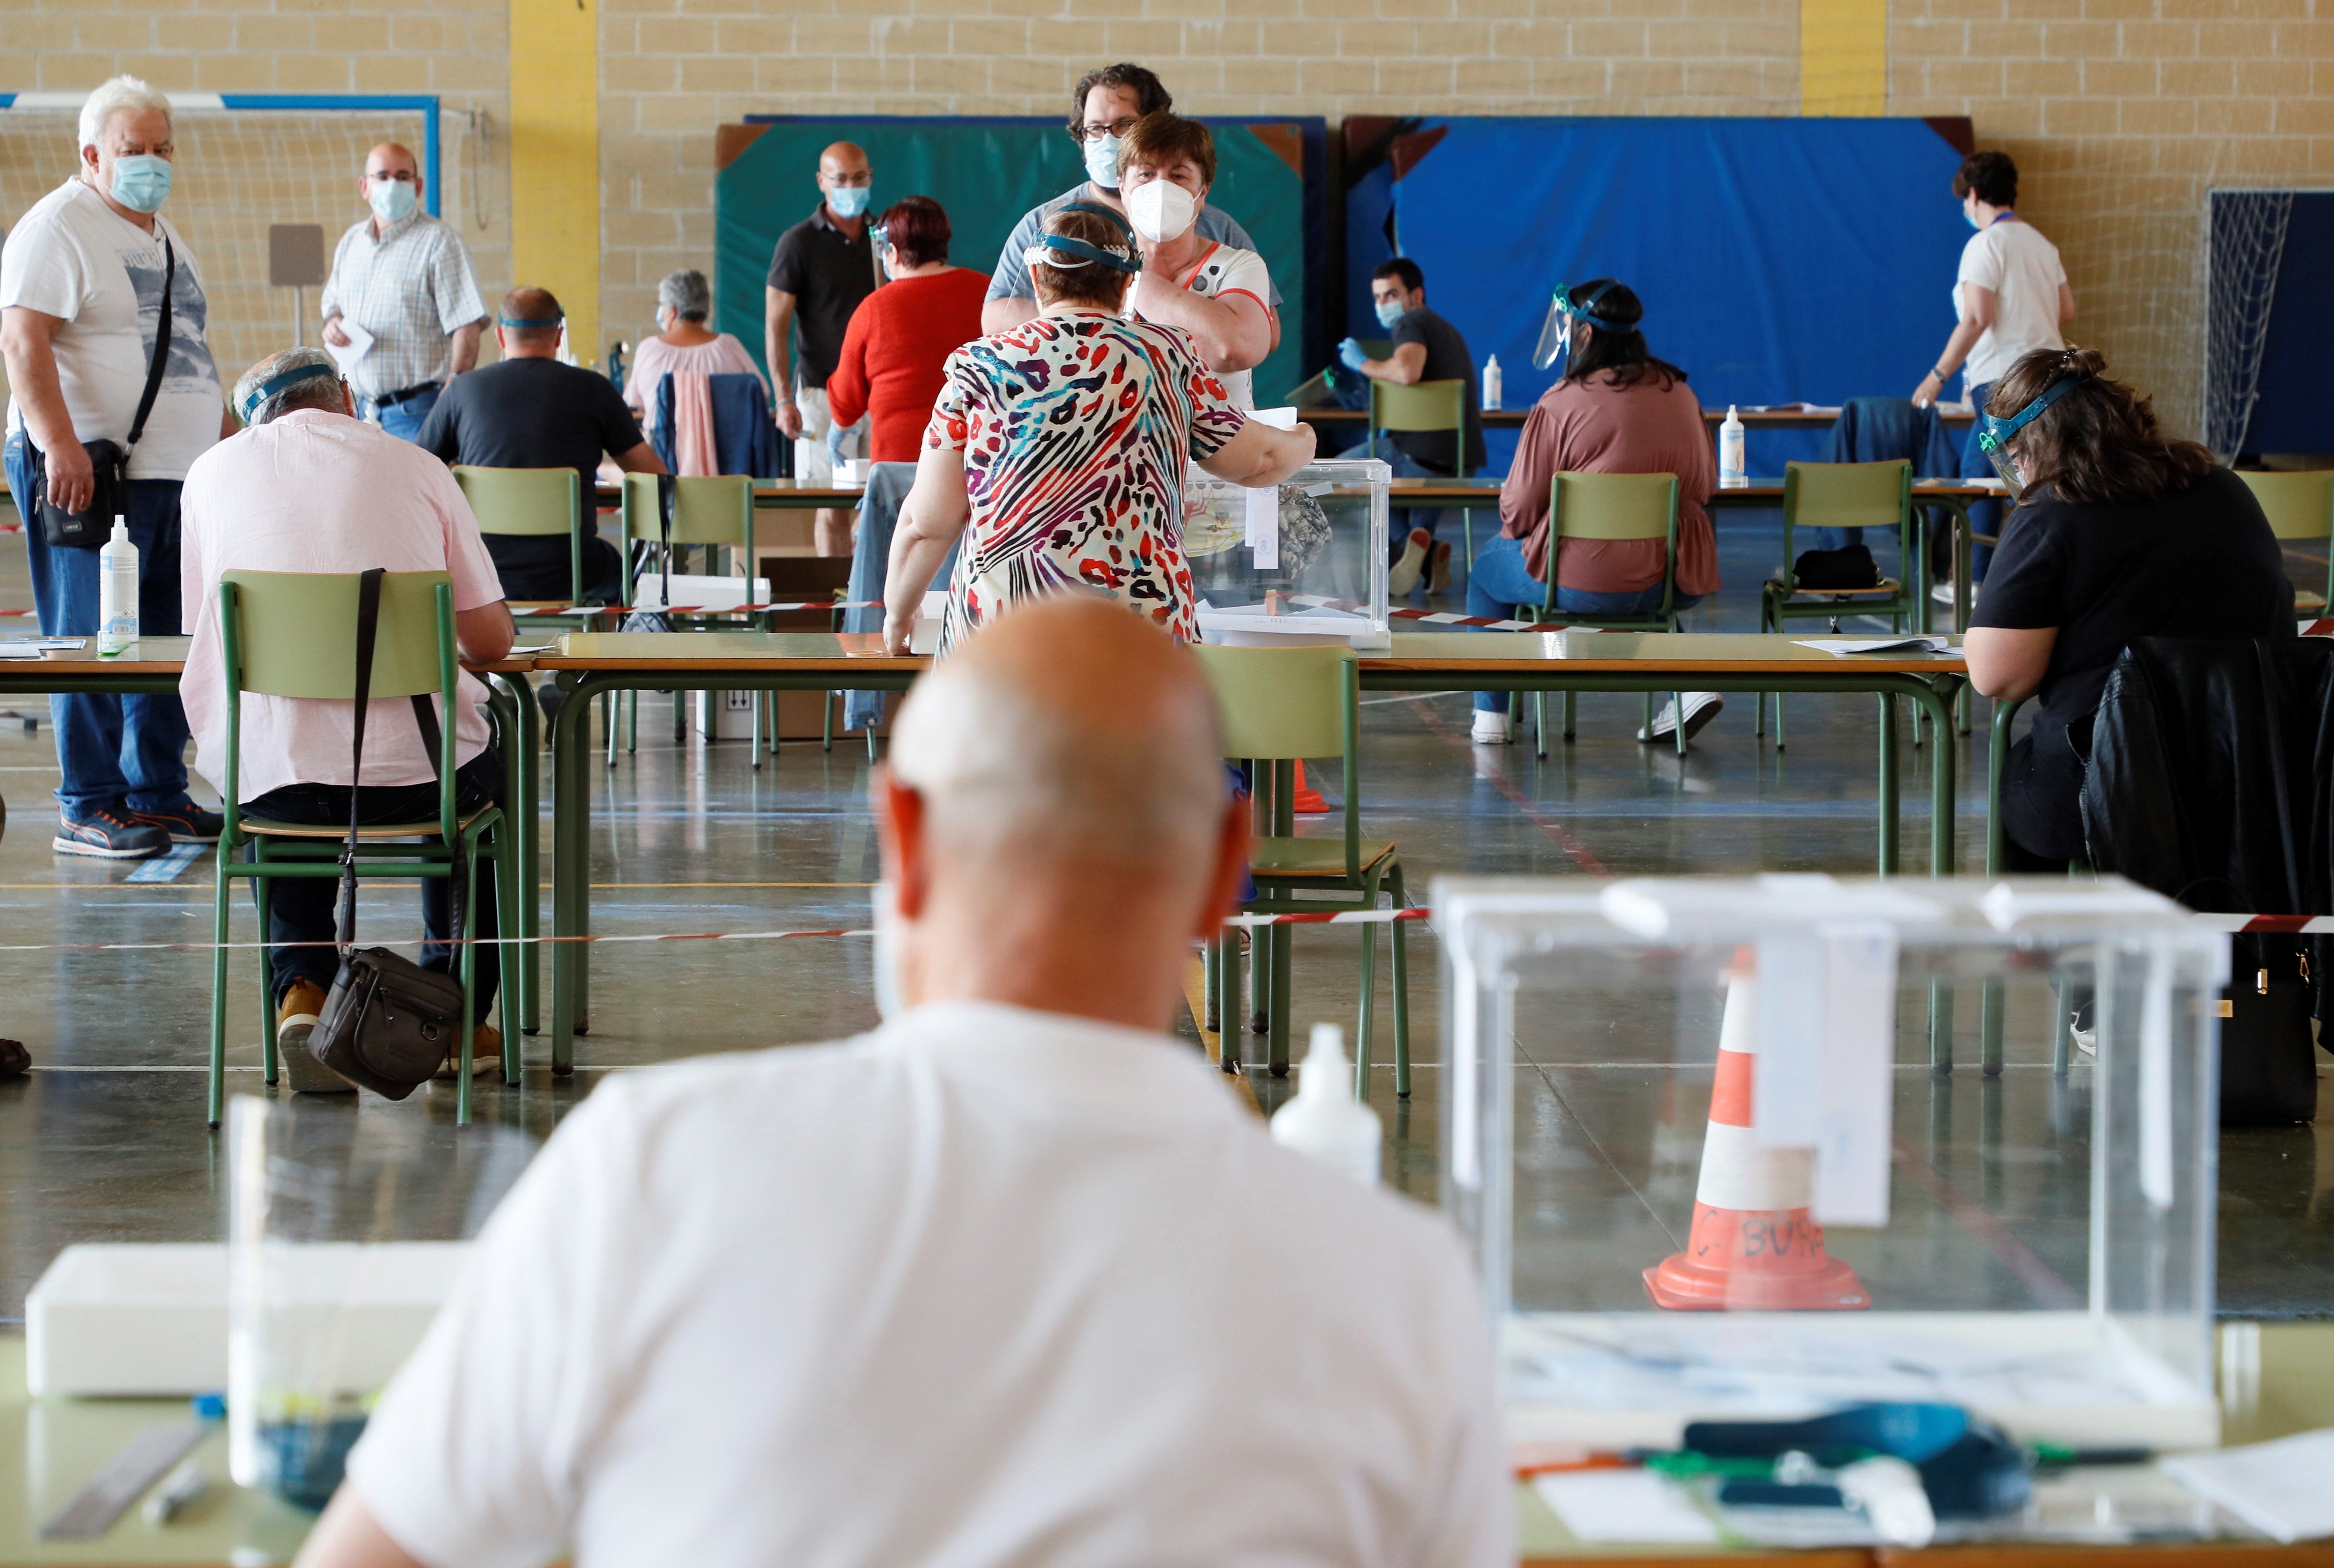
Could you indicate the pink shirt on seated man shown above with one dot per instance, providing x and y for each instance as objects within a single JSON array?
[{"x": 309, "y": 487}]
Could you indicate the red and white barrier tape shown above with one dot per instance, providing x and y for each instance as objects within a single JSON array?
[
  {"x": 702, "y": 609},
  {"x": 1430, "y": 617},
  {"x": 2314, "y": 628}
]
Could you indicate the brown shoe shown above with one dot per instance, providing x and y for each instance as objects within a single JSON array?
[
  {"x": 296, "y": 1020},
  {"x": 486, "y": 1052},
  {"x": 14, "y": 1060}
]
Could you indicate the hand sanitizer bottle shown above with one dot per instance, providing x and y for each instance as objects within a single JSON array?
[
  {"x": 117, "y": 590},
  {"x": 1731, "y": 468},
  {"x": 1492, "y": 387},
  {"x": 1324, "y": 1122}
]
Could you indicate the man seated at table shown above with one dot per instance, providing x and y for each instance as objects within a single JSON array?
[
  {"x": 983, "y": 1286},
  {"x": 531, "y": 411},
  {"x": 308, "y": 487}
]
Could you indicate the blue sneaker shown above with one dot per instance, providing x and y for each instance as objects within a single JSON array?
[{"x": 111, "y": 835}]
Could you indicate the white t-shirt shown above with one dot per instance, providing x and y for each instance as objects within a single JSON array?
[
  {"x": 1221, "y": 270},
  {"x": 2023, "y": 271},
  {"x": 316, "y": 492},
  {"x": 74, "y": 257},
  {"x": 987, "y": 1287}
]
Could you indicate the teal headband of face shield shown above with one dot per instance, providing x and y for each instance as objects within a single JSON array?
[
  {"x": 1132, "y": 262},
  {"x": 1578, "y": 311},
  {"x": 275, "y": 384},
  {"x": 529, "y": 323},
  {"x": 1994, "y": 435}
]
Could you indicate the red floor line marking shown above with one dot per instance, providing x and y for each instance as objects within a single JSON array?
[
  {"x": 1579, "y": 851},
  {"x": 2016, "y": 1256}
]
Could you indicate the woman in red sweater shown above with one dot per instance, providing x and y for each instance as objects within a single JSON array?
[{"x": 900, "y": 334}]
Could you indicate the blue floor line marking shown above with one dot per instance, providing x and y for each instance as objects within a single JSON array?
[{"x": 166, "y": 867}]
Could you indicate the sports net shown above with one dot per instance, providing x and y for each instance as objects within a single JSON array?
[
  {"x": 2245, "y": 241},
  {"x": 237, "y": 171}
]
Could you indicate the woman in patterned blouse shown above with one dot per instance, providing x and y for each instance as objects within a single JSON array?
[{"x": 1064, "y": 444}]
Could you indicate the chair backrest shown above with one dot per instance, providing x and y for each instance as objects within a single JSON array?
[
  {"x": 1847, "y": 495},
  {"x": 1421, "y": 406},
  {"x": 523, "y": 500},
  {"x": 1614, "y": 505},
  {"x": 715, "y": 510},
  {"x": 293, "y": 633},
  {"x": 2297, "y": 506},
  {"x": 1284, "y": 703}
]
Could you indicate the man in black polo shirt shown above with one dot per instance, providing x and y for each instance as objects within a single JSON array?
[
  {"x": 528, "y": 410},
  {"x": 823, "y": 267}
]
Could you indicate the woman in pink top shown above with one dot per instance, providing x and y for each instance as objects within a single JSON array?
[
  {"x": 1617, "y": 410},
  {"x": 683, "y": 343}
]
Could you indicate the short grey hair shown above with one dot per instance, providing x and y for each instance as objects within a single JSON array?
[
  {"x": 310, "y": 392},
  {"x": 122, "y": 93},
  {"x": 686, "y": 294}
]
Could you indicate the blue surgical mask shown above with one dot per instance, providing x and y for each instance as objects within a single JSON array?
[
  {"x": 1391, "y": 311},
  {"x": 1102, "y": 162},
  {"x": 142, "y": 180},
  {"x": 1972, "y": 218},
  {"x": 849, "y": 200},
  {"x": 392, "y": 199}
]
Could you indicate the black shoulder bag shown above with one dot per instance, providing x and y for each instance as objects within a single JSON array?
[
  {"x": 389, "y": 1024},
  {"x": 109, "y": 465},
  {"x": 660, "y": 620}
]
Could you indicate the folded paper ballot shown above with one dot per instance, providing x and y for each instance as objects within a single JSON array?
[
  {"x": 2279, "y": 1488},
  {"x": 1876, "y": 644},
  {"x": 1625, "y": 1506}
]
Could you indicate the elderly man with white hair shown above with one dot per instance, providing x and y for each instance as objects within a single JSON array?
[
  {"x": 1016, "y": 1279},
  {"x": 310, "y": 488},
  {"x": 106, "y": 407}
]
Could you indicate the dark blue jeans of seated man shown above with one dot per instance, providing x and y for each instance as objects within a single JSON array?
[
  {"x": 302, "y": 909},
  {"x": 1499, "y": 583}
]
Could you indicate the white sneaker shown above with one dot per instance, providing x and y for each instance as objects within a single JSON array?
[
  {"x": 1404, "y": 574},
  {"x": 1701, "y": 707},
  {"x": 1941, "y": 591},
  {"x": 1491, "y": 728}
]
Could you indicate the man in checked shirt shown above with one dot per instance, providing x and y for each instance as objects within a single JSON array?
[{"x": 404, "y": 278}]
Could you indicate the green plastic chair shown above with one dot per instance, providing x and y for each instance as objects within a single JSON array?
[
  {"x": 1840, "y": 496},
  {"x": 1280, "y": 704},
  {"x": 293, "y": 634},
  {"x": 711, "y": 512},
  {"x": 2299, "y": 506},
  {"x": 1608, "y": 506},
  {"x": 531, "y": 502},
  {"x": 1428, "y": 407}
]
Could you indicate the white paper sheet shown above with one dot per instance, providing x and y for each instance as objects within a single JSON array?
[
  {"x": 1264, "y": 527},
  {"x": 2279, "y": 1488},
  {"x": 1875, "y": 644},
  {"x": 360, "y": 342},
  {"x": 1625, "y": 1506}
]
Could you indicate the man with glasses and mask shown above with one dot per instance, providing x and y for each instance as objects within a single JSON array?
[
  {"x": 1104, "y": 109},
  {"x": 822, "y": 268},
  {"x": 403, "y": 281}
]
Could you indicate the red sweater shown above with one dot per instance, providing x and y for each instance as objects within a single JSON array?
[{"x": 892, "y": 351}]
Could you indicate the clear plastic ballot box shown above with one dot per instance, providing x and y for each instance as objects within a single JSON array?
[
  {"x": 1305, "y": 564},
  {"x": 1696, "y": 1138}
]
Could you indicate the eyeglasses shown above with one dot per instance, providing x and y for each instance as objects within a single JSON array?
[{"x": 1091, "y": 132}]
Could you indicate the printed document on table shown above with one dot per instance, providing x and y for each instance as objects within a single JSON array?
[
  {"x": 1625, "y": 1506},
  {"x": 1876, "y": 644},
  {"x": 2279, "y": 1488},
  {"x": 360, "y": 341}
]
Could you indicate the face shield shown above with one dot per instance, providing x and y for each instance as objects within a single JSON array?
[
  {"x": 1995, "y": 436},
  {"x": 1556, "y": 331}
]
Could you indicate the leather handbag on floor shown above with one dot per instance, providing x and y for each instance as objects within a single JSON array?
[
  {"x": 1849, "y": 566},
  {"x": 389, "y": 1024},
  {"x": 109, "y": 465},
  {"x": 2268, "y": 1068}
]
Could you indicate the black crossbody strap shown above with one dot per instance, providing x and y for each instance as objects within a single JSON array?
[
  {"x": 664, "y": 536},
  {"x": 162, "y": 358},
  {"x": 368, "y": 628}
]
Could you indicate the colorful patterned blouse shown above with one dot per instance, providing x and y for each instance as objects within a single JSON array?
[{"x": 1075, "y": 431}]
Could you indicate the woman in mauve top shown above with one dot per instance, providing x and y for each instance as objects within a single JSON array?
[
  {"x": 683, "y": 343},
  {"x": 902, "y": 333},
  {"x": 1617, "y": 410}
]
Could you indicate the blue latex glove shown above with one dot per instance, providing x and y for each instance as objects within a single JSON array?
[
  {"x": 1350, "y": 355},
  {"x": 835, "y": 435}
]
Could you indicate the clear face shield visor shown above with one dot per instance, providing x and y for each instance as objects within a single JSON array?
[
  {"x": 1998, "y": 438},
  {"x": 1556, "y": 331}
]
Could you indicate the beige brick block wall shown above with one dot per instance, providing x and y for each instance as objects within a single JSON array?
[
  {"x": 457, "y": 48},
  {"x": 2122, "y": 114},
  {"x": 663, "y": 89}
]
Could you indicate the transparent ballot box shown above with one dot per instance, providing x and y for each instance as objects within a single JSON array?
[
  {"x": 1305, "y": 564},
  {"x": 1759, "y": 1149},
  {"x": 344, "y": 1237}
]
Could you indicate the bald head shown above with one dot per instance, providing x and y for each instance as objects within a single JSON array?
[
  {"x": 527, "y": 322},
  {"x": 386, "y": 159},
  {"x": 843, "y": 158},
  {"x": 1070, "y": 731}
]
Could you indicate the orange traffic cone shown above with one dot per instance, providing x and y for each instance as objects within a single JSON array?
[
  {"x": 1307, "y": 802},
  {"x": 1754, "y": 1247}
]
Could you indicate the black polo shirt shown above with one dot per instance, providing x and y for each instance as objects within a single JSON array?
[{"x": 828, "y": 274}]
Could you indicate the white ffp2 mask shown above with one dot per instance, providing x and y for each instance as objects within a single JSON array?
[{"x": 1162, "y": 210}]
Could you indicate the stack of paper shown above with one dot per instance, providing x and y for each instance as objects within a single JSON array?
[{"x": 2279, "y": 1488}]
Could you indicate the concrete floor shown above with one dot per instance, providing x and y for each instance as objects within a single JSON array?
[{"x": 105, "y": 1140}]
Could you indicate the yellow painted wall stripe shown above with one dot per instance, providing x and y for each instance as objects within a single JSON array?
[
  {"x": 554, "y": 109},
  {"x": 1843, "y": 57}
]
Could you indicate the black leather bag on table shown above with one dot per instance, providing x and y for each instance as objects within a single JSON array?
[
  {"x": 109, "y": 465},
  {"x": 1849, "y": 566},
  {"x": 389, "y": 1024}
]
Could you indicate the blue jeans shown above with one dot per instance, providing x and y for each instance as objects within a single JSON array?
[
  {"x": 121, "y": 753},
  {"x": 403, "y": 421},
  {"x": 1985, "y": 516},
  {"x": 1497, "y": 582}
]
